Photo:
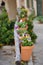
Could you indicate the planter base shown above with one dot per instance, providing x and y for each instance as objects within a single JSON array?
[{"x": 26, "y": 52}]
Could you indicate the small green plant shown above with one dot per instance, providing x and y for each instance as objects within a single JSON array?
[
  {"x": 40, "y": 19},
  {"x": 22, "y": 24},
  {"x": 22, "y": 63},
  {"x": 23, "y": 12},
  {"x": 26, "y": 42},
  {"x": 20, "y": 32}
]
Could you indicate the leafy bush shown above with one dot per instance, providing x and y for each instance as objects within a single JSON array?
[
  {"x": 30, "y": 28},
  {"x": 6, "y": 28}
]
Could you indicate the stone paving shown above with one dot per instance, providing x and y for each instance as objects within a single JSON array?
[
  {"x": 7, "y": 59},
  {"x": 37, "y": 52}
]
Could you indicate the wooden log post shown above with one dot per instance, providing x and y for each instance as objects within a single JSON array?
[{"x": 17, "y": 48}]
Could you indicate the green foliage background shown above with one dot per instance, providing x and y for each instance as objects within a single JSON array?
[{"x": 6, "y": 28}]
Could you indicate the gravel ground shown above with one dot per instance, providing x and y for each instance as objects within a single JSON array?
[{"x": 7, "y": 59}]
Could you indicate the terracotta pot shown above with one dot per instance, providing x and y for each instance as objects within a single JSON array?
[
  {"x": 23, "y": 19},
  {"x": 22, "y": 28},
  {"x": 26, "y": 52}
]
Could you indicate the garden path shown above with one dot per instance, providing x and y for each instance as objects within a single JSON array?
[{"x": 38, "y": 50}]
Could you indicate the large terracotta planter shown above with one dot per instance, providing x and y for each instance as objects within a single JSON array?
[{"x": 26, "y": 52}]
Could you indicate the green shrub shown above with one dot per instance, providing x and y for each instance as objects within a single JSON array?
[
  {"x": 6, "y": 29},
  {"x": 30, "y": 28},
  {"x": 40, "y": 19}
]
